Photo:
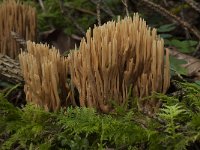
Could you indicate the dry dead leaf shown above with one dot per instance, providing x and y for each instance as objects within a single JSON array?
[{"x": 192, "y": 65}]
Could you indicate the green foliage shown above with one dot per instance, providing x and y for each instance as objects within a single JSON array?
[
  {"x": 164, "y": 29},
  {"x": 192, "y": 97},
  {"x": 105, "y": 129},
  {"x": 176, "y": 126},
  {"x": 170, "y": 114},
  {"x": 27, "y": 126},
  {"x": 180, "y": 118},
  {"x": 185, "y": 46},
  {"x": 68, "y": 14},
  {"x": 74, "y": 128},
  {"x": 8, "y": 113},
  {"x": 175, "y": 65}
]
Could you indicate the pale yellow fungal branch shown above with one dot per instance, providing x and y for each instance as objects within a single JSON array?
[
  {"x": 115, "y": 56},
  {"x": 45, "y": 75},
  {"x": 19, "y": 18}
]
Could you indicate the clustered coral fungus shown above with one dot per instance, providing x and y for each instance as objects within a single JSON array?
[
  {"x": 19, "y": 18},
  {"x": 111, "y": 59},
  {"x": 115, "y": 56},
  {"x": 45, "y": 75}
]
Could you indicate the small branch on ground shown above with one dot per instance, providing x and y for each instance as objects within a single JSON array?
[
  {"x": 99, "y": 13},
  {"x": 10, "y": 70},
  {"x": 64, "y": 12},
  {"x": 105, "y": 8},
  {"x": 172, "y": 17},
  {"x": 126, "y": 6},
  {"x": 194, "y": 5}
]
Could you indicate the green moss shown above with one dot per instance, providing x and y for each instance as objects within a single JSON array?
[{"x": 176, "y": 126}]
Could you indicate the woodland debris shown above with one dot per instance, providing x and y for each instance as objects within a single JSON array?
[
  {"x": 192, "y": 66},
  {"x": 195, "y": 5},
  {"x": 164, "y": 12},
  {"x": 10, "y": 70}
]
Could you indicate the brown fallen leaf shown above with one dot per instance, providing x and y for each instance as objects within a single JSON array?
[{"x": 192, "y": 65}]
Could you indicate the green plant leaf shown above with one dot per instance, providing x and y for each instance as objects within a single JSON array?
[
  {"x": 171, "y": 112},
  {"x": 197, "y": 82},
  {"x": 186, "y": 46},
  {"x": 165, "y": 36},
  {"x": 166, "y": 28},
  {"x": 175, "y": 65}
]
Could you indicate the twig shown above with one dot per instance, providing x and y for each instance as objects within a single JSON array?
[
  {"x": 98, "y": 13},
  {"x": 76, "y": 37},
  {"x": 178, "y": 75},
  {"x": 42, "y": 5},
  {"x": 62, "y": 5},
  {"x": 126, "y": 6},
  {"x": 76, "y": 24},
  {"x": 81, "y": 10},
  {"x": 187, "y": 34},
  {"x": 106, "y": 9},
  {"x": 165, "y": 2},
  {"x": 64, "y": 12},
  {"x": 44, "y": 10},
  {"x": 172, "y": 17},
  {"x": 193, "y": 4}
]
